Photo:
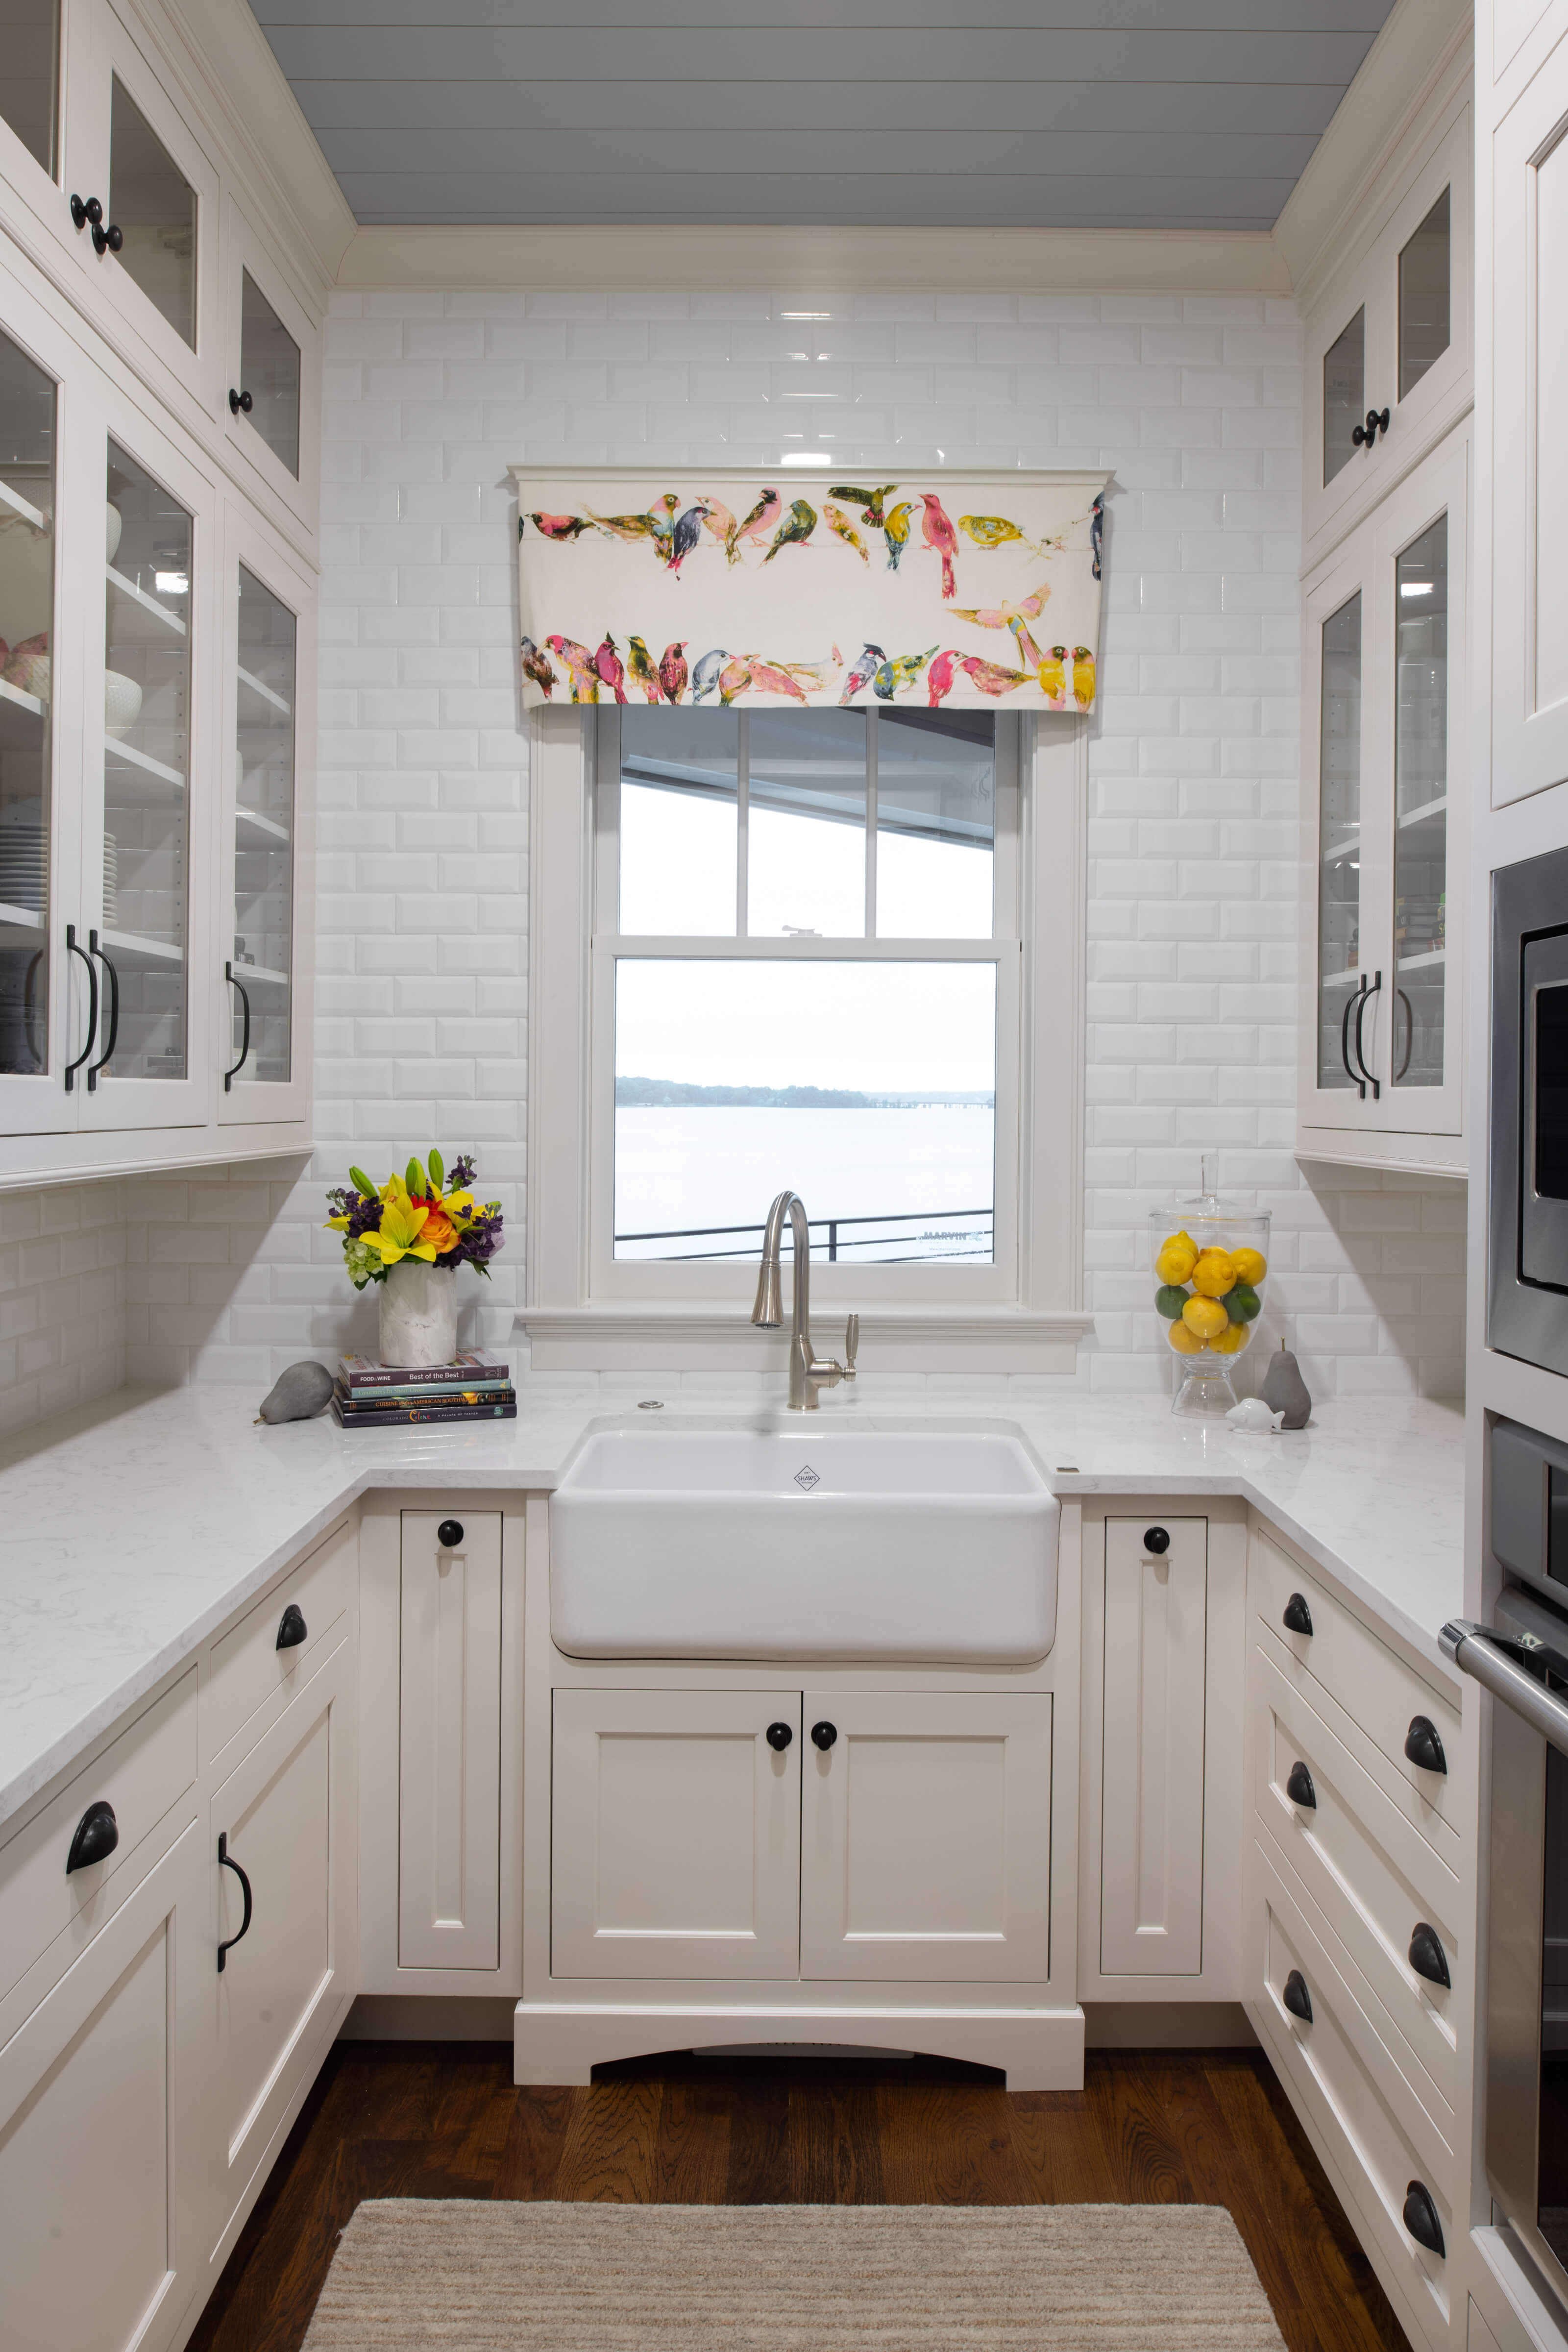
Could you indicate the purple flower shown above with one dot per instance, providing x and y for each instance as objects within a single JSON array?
[
  {"x": 481, "y": 1240},
  {"x": 461, "y": 1177},
  {"x": 362, "y": 1209}
]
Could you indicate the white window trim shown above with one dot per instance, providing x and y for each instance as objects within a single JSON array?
[{"x": 1023, "y": 1314}]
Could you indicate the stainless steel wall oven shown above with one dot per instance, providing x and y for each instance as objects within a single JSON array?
[{"x": 1528, "y": 1293}]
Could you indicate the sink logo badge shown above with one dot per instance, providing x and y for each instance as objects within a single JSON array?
[{"x": 806, "y": 1479}]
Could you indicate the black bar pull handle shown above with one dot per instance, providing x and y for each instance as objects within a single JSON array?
[
  {"x": 229, "y": 1075},
  {"x": 1352, "y": 1000},
  {"x": 74, "y": 947},
  {"x": 1363, "y": 998},
  {"x": 112, "y": 998},
  {"x": 227, "y": 1861},
  {"x": 96, "y": 1835}
]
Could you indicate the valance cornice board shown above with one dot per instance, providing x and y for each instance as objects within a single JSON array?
[{"x": 708, "y": 586}]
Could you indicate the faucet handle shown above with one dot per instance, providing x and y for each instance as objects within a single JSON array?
[{"x": 851, "y": 1343}]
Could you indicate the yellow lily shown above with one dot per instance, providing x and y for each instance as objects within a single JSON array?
[{"x": 402, "y": 1228}]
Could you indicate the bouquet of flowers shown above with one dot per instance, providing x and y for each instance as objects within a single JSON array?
[{"x": 411, "y": 1217}]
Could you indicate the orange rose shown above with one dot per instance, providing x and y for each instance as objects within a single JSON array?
[{"x": 439, "y": 1230}]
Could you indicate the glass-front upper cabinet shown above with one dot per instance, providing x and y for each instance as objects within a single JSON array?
[
  {"x": 1388, "y": 340},
  {"x": 28, "y": 502},
  {"x": 271, "y": 399},
  {"x": 30, "y": 80},
  {"x": 1384, "y": 667}
]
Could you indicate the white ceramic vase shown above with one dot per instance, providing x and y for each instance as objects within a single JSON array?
[{"x": 419, "y": 1313}]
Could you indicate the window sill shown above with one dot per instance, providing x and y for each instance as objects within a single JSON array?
[{"x": 913, "y": 1340}]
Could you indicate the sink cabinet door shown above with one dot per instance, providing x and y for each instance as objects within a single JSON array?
[
  {"x": 675, "y": 1846},
  {"x": 926, "y": 1837},
  {"x": 1152, "y": 1812},
  {"x": 449, "y": 1766}
]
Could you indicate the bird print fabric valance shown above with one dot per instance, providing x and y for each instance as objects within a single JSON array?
[{"x": 685, "y": 587}]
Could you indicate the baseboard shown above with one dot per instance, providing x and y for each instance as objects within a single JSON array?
[
  {"x": 1167, "y": 2025},
  {"x": 427, "y": 2017}
]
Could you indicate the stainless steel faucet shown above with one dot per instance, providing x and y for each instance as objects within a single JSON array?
[{"x": 807, "y": 1374}]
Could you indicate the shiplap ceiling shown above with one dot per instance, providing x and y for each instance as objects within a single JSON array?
[{"x": 1192, "y": 114}]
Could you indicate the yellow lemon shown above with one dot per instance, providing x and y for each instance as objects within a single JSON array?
[
  {"x": 1232, "y": 1340},
  {"x": 1250, "y": 1264},
  {"x": 1175, "y": 1262},
  {"x": 1182, "y": 1340},
  {"x": 1214, "y": 1273},
  {"x": 1204, "y": 1318}
]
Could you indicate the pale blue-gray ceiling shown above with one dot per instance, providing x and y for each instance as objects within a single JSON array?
[{"x": 1196, "y": 114}]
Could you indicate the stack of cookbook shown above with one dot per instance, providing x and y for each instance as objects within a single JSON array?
[{"x": 477, "y": 1387}]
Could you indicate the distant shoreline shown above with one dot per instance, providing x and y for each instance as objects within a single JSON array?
[{"x": 672, "y": 1093}]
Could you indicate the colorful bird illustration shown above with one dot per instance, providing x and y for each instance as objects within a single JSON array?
[
  {"x": 901, "y": 671},
  {"x": 816, "y": 677},
  {"x": 990, "y": 677},
  {"x": 735, "y": 678},
  {"x": 896, "y": 530},
  {"x": 640, "y": 664},
  {"x": 860, "y": 677},
  {"x": 760, "y": 521},
  {"x": 940, "y": 679},
  {"x": 705, "y": 677},
  {"x": 672, "y": 670},
  {"x": 607, "y": 662},
  {"x": 535, "y": 667},
  {"x": 1052, "y": 679},
  {"x": 990, "y": 531},
  {"x": 720, "y": 524},
  {"x": 795, "y": 528},
  {"x": 839, "y": 522},
  {"x": 1097, "y": 532},
  {"x": 940, "y": 535},
  {"x": 685, "y": 535},
  {"x": 579, "y": 662},
  {"x": 870, "y": 500},
  {"x": 1008, "y": 616},
  {"x": 1082, "y": 677},
  {"x": 631, "y": 528},
  {"x": 773, "y": 678},
  {"x": 557, "y": 526}
]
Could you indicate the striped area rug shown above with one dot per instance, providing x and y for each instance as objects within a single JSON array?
[{"x": 412, "y": 2274}]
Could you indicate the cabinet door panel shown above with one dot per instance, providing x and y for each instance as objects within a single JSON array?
[
  {"x": 1152, "y": 1823},
  {"x": 925, "y": 1837},
  {"x": 449, "y": 1876},
  {"x": 677, "y": 1835}
]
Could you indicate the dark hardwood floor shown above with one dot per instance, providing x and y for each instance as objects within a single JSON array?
[{"x": 414, "y": 2119}]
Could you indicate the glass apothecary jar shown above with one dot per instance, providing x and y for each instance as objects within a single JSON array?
[{"x": 1209, "y": 1258}]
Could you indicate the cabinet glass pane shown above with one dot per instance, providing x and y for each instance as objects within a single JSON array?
[
  {"x": 27, "y": 617},
  {"x": 153, "y": 206},
  {"x": 263, "y": 963},
  {"x": 29, "y": 74},
  {"x": 1339, "y": 836},
  {"x": 269, "y": 373},
  {"x": 146, "y": 763},
  {"x": 1344, "y": 394},
  {"x": 1424, "y": 296},
  {"x": 1421, "y": 806}
]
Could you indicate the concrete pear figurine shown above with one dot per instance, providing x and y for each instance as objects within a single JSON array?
[
  {"x": 1284, "y": 1390},
  {"x": 298, "y": 1394}
]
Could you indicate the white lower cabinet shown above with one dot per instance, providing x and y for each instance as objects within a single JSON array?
[
  {"x": 102, "y": 2156},
  {"x": 1152, "y": 1753},
  {"x": 450, "y": 1760}
]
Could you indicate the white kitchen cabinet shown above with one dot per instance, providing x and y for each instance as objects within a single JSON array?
[
  {"x": 1152, "y": 1748},
  {"x": 676, "y": 1843},
  {"x": 450, "y": 1759},
  {"x": 271, "y": 396},
  {"x": 926, "y": 1836},
  {"x": 285, "y": 1818},
  {"x": 1384, "y": 829},
  {"x": 101, "y": 2159}
]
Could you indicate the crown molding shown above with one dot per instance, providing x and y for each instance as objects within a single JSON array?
[
  {"x": 804, "y": 264},
  {"x": 1424, "y": 45}
]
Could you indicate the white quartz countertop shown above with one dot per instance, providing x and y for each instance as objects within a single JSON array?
[{"x": 130, "y": 1532}]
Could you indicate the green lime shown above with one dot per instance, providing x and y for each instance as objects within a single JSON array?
[
  {"x": 1170, "y": 1300},
  {"x": 1243, "y": 1302}
]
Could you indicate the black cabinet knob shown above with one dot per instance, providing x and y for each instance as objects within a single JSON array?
[
  {"x": 1296, "y": 1997},
  {"x": 1299, "y": 1786},
  {"x": 96, "y": 1835},
  {"x": 108, "y": 240},
  {"x": 82, "y": 213},
  {"x": 239, "y": 403},
  {"x": 1298, "y": 1616},
  {"x": 1157, "y": 1541},
  {"x": 450, "y": 1534},
  {"x": 1427, "y": 1957},
  {"x": 1421, "y": 2218},
  {"x": 823, "y": 1735},
  {"x": 1424, "y": 1745},
  {"x": 779, "y": 1736},
  {"x": 1376, "y": 422},
  {"x": 291, "y": 1628}
]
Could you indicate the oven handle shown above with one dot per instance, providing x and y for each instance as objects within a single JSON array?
[{"x": 1481, "y": 1652}]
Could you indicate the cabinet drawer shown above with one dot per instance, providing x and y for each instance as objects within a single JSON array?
[
  {"x": 140, "y": 1775},
  {"x": 1361, "y": 1674},
  {"x": 1339, "y": 2077},
  {"x": 248, "y": 1666},
  {"x": 1373, "y": 1876}
]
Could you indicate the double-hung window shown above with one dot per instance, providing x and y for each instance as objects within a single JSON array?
[{"x": 825, "y": 950}]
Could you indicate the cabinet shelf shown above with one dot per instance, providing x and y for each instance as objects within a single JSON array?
[
  {"x": 140, "y": 603},
  {"x": 12, "y": 502},
  {"x": 141, "y": 770},
  {"x": 1432, "y": 960},
  {"x": 276, "y": 707},
  {"x": 153, "y": 954},
  {"x": 265, "y": 831},
  {"x": 1427, "y": 814},
  {"x": 257, "y": 975},
  {"x": 27, "y": 919}
]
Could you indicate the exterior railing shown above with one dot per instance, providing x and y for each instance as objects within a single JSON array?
[{"x": 976, "y": 1229}]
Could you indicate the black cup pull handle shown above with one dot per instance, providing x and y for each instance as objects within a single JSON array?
[
  {"x": 823, "y": 1736},
  {"x": 240, "y": 403},
  {"x": 450, "y": 1534},
  {"x": 229, "y": 1075},
  {"x": 779, "y": 1736},
  {"x": 74, "y": 947},
  {"x": 1299, "y": 1786},
  {"x": 96, "y": 1835},
  {"x": 291, "y": 1628},
  {"x": 227, "y": 1861},
  {"x": 1298, "y": 1617},
  {"x": 112, "y": 1022},
  {"x": 1157, "y": 1541},
  {"x": 1424, "y": 1745},
  {"x": 1427, "y": 1957},
  {"x": 1296, "y": 1997},
  {"x": 1421, "y": 2218}
]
